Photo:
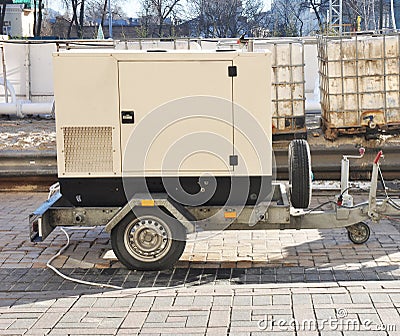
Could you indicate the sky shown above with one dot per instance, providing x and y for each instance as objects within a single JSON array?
[{"x": 131, "y": 7}]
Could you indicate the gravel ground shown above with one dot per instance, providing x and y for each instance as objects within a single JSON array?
[{"x": 27, "y": 134}]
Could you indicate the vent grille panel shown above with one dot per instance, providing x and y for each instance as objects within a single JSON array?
[{"x": 88, "y": 149}]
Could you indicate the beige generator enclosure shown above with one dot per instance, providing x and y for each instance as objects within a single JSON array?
[
  {"x": 196, "y": 125},
  {"x": 158, "y": 145},
  {"x": 360, "y": 83}
]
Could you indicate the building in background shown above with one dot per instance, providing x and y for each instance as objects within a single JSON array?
[{"x": 18, "y": 19}]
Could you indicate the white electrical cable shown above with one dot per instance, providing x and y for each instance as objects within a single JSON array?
[
  {"x": 139, "y": 290},
  {"x": 54, "y": 189},
  {"x": 55, "y": 270}
]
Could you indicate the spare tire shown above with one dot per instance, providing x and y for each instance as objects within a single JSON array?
[{"x": 300, "y": 176}]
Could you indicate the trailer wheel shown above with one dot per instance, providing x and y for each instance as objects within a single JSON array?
[
  {"x": 148, "y": 240},
  {"x": 300, "y": 178},
  {"x": 358, "y": 233}
]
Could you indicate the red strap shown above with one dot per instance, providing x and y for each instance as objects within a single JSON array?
[{"x": 378, "y": 157}]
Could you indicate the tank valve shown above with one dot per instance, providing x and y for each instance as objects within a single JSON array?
[{"x": 372, "y": 125}]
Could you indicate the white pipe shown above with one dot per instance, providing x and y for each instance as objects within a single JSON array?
[
  {"x": 37, "y": 108},
  {"x": 21, "y": 109},
  {"x": 10, "y": 89},
  {"x": 9, "y": 108},
  {"x": 28, "y": 72}
]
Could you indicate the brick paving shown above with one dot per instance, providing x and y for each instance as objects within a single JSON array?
[
  {"x": 234, "y": 283},
  {"x": 367, "y": 307}
]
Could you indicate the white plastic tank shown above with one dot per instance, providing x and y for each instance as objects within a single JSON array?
[
  {"x": 359, "y": 79},
  {"x": 288, "y": 84}
]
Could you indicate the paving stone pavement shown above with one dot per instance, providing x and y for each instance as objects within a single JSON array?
[{"x": 307, "y": 282}]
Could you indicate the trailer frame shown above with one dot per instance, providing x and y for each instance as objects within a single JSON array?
[{"x": 277, "y": 214}]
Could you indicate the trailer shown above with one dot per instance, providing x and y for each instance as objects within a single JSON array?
[{"x": 167, "y": 144}]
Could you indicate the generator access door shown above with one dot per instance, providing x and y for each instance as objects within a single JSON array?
[{"x": 176, "y": 117}]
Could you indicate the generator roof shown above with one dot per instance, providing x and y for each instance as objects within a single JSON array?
[{"x": 159, "y": 54}]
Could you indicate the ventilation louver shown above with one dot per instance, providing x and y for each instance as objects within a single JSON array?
[{"x": 88, "y": 149}]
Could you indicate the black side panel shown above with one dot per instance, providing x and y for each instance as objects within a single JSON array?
[
  {"x": 193, "y": 191},
  {"x": 93, "y": 191}
]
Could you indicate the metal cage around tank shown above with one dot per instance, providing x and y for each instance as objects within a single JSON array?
[
  {"x": 288, "y": 85},
  {"x": 359, "y": 83}
]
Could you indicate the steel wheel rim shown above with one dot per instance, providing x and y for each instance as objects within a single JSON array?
[
  {"x": 148, "y": 238},
  {"x": 359, "y": 233}
]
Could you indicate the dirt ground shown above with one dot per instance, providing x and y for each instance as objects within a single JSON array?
[{"x": 27, "y": 134}]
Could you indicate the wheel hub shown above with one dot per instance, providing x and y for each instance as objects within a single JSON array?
[
  {"x": 358, "y": 233},
  {"x": 148, "y": 238}
]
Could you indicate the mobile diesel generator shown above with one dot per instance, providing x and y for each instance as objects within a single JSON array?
[{"x": 158, "y": 145}]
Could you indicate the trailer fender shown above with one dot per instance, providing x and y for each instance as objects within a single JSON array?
[{"x": 155, "y": 200}]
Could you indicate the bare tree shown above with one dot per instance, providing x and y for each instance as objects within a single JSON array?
[
  {"x": 81, "y": 18},
  {"x": 286, "y": 18},
  {"x": 147, "y": 19},
  {"x": 158, "y": 11},
  {"x": 77, "y": 20},
  {"x": 251, "y": 11},
  {"x": 38, "y": 17},
  {"x": 296, "y": 10},
  {"x": 264, "y": 22},
  {"x": 374, "y": 14},
  {"x": 220, "y": 18},
  {"x": 72, "y": 5},
  {"x": 366, "y": 9},
  {"x": 74, "y": 21},
  {"x": 317, "y": 6},
  {"x": 225, "y": 18},
  {"x": 299, "y": 17},
  {"x": 103, "y": 14},
  {"x": 80, "y": 13},
  {"x": 97, "y": 10}
]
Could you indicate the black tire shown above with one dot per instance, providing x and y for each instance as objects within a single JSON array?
[
  {"x": 359, "y": 233},
  {"x": 148, "y": 239},
  {"x": 300, "y": 179}
]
